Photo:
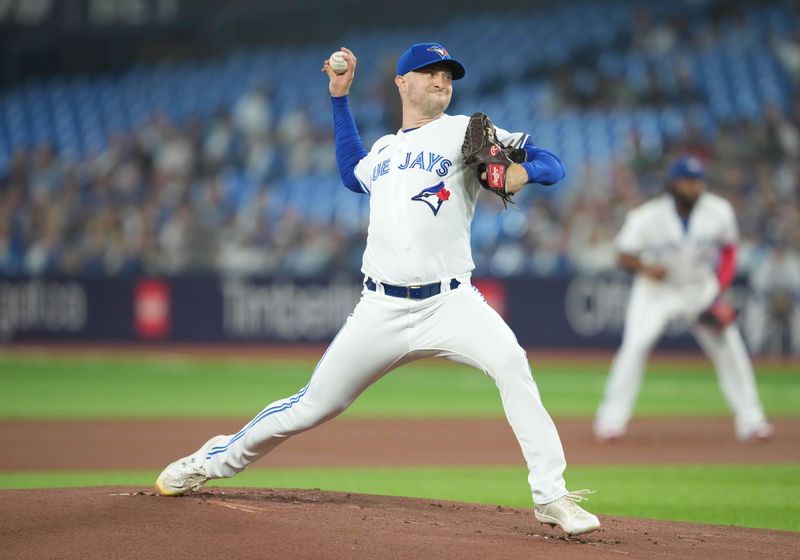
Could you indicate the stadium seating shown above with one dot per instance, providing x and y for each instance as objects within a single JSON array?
[{"x": 511, "y": 62}]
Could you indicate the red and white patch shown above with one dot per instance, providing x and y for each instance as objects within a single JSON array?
[
  {"x": 494, "y": 150},
  {"x": 152, "y": 308},
  {"x": 496, "y": 176}
]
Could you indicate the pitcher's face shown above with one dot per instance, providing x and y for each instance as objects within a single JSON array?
[{"x": 428, "y": 89}]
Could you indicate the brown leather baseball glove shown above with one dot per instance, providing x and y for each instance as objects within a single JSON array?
[
  {"x": 484, "y": 153},
  {"x": 719, "y": 315}
]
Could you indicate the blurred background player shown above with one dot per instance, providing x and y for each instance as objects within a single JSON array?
[{"x": 669, "y": 244}]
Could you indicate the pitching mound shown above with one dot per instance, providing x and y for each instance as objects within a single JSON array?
[{"x": 109, "y": 523}]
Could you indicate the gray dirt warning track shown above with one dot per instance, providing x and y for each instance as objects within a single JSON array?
[{"x": 132, "y": 523}]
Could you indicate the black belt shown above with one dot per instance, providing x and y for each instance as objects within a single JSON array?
[{"x": 411, "y": 292}]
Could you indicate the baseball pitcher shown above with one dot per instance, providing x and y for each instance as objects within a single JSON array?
[{"x": 423, "y": 182}]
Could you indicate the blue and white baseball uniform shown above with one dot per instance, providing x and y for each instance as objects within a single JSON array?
[
  {"x": 422, "y": 200},
  {"x": 686, "y": 249},
  {"x": 417, "y": 300}
]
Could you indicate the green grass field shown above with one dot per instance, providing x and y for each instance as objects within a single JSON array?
[
  {"x": 187, "y": 387},
  {"x": 173, "y": 387}
]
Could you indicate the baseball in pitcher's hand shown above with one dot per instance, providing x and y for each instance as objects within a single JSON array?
[{"x": 340, "y": 83}]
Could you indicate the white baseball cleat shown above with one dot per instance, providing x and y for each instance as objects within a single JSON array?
[
  {"x": 609, "y": 436},
  {"x": 760, "y": 434},
  {"x": 187, "y": 474},
  {"x": 567, "y": 514}
]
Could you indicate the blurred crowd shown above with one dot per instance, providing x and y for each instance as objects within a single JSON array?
[
  {"x": 160, "y": 201},
  {"x": 200, "y": 196},
  {"x": 590, "y": 81},
  {"x": 167, "y": 200},
  {"x": 755, "y": 165}
]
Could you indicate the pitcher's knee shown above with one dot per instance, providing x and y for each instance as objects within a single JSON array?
[
  {"x": 510, "y": 365},
  {"x": 306, "y": 416}
]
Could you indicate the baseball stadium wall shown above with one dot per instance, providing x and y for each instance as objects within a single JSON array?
[{"x": 574, "y": 312}]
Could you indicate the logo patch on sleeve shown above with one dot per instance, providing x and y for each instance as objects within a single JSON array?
[{"x": 433, "y": 196}]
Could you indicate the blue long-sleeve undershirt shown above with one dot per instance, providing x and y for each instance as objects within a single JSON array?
[
  {"x": 349, "y": 147},
  {"x": 542, "y": 165}
]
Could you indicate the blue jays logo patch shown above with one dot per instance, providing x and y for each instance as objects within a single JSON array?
[
  {"x": 433, "y": 196},
  {"x": 438, "y": 49}
]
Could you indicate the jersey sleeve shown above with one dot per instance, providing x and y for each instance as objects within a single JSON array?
[
  {"x": 542, "y": 166},
  {"x": 631, "y": 238},
  {"x": 363, "y": 173},
  {"x": 516, "y": 139},
  {"x": 729, "y": 234}
]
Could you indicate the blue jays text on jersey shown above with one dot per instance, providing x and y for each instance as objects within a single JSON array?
[{"x": 427, "y": 161}]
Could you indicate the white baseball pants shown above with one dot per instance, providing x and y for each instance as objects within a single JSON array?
[
  {"x": 647, "y": 316},
  {"x": 385, "y": 332}
]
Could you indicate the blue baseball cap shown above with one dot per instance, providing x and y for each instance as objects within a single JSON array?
[
  {"x": 420, "y": 55},
  {"x": 687, "y": 167}
]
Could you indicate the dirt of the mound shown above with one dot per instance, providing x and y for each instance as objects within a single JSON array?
[
  {"x": 152, "y": 444},
  {"x": 125, "y": 523}
]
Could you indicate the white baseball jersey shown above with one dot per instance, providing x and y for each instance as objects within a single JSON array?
[
  {"x": 656, "y": 233},
  {"x": 418, "y": 177}
]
